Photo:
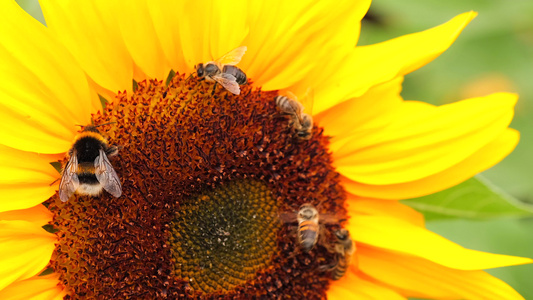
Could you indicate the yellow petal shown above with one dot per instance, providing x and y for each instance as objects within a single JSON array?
[
  {"x": 392, "y": 209},
  {"x": 142, "y": 42},
  {"x": 336, "y": 292},
  {"x": 481, "y": 160},
  {"x": 426, "y": 142},
  {"x": 96, "y": 104},
  {"x": 425, "y": 279},
  {"x": 167, "y": 20},
  {"x": 39, "y": 81},
  {"x": 284, "y": 35},
  {"x": 20, "y": 196},
  {"x": 372, "y": 110},
  {"x": 38, "y": 215},
  {"x": 25, "y": 249},
  {"x": 100, "y": 92},
  {"x": 350, "y": 76},
  {"x": 207, "y": 29},
  {"x": 35, "y": 288},
  {"x": 399, "y": 112},
  {"x": 18, "y": 166},
  {"x": 352, "y": 286},
  {"x": 404, "y": 237},
  {"x": 90, "y": 31},
  {"x": 25, "y": 179}
]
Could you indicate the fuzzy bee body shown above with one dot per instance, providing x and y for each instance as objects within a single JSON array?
[
  {"x": 289, "y": 106},
  {"x": 207, "y": 70},
  {"x": 308, "y": 227},
  {"x": 224, "y": 71},
  {"x": 301, "y": 122},
  {"x": 305, "y": 127},
  {"x": 309, "y": 224},
  {"x": 344, "y": 249},
  {"x": 88, "y": 169},
  {"x": 307, "y": 234},
  {"x": 239, "y": 75}
]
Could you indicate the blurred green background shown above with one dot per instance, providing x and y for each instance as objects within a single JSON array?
[{"x": 494, "y": 53}]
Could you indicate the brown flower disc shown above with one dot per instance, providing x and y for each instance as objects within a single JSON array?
[{"x": 204, "y": 176}]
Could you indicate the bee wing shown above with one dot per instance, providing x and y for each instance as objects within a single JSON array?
[
  {"x": 106, "y": 175},
  {"x": 288, "y": 217},
  {"x": 229, "y": 82},
  {"x": 308, "y": 101},
  {"x": 297, "y": 107},
  {"x": 69, "y": 179},
  {"x": 291, "y": 95},
  {"x": 233, "y": 57},
  {"x": 328, "y": 219}
]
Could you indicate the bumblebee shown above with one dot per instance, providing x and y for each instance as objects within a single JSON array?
[
  {"x": 224, "y": 71},
  {"x": 88, "y": 169}
]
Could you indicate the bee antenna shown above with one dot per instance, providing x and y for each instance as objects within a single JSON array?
[
  {"x": 104, "y": 124},
  {"x": 294, "y": 210}
]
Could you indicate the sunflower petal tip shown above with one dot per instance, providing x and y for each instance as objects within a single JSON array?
[
  {"x": 471, "y": 14},
  {"x": 465, "y": 19},
  {"x": 508, "y": 98}
]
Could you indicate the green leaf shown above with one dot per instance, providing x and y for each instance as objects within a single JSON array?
[{"x": 475, "y": 198}]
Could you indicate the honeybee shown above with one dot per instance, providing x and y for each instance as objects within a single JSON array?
[
  {"x": 308, "y": 220},
  {"x": 301, "y": 122},
  {"x": 224, "y": 71},
  {"x": 307, "y": 226},
  {"x": 344, "y": 249},
  {"x": 88, "y": 169}
]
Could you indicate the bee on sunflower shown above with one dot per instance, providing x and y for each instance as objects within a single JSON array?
[{"x": 206, "y": 172}]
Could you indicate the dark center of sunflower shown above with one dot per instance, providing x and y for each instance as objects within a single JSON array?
[
  {"x": 205, "y": 178},
  {"x": 210, "y": 229}
]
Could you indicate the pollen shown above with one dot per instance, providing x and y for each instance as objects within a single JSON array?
[{"x": 205, "y": 175}]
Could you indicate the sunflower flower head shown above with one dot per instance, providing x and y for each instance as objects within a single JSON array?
[
  {"x": 214, "y": 179},
  {"x": 209, "y": 174}
]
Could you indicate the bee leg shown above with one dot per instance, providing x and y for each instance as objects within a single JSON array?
[
  {"x": 214, "y": 88},
  {"x": 328, "y": 267},
  {"x": 54, "y": 181},
  {"x": 112, "y": 151}
]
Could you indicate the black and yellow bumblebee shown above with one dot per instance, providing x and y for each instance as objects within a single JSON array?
[{"x": 88, "y": 169}]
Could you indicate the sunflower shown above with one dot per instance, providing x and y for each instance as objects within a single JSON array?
[{"x": 206, "y": 174}]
